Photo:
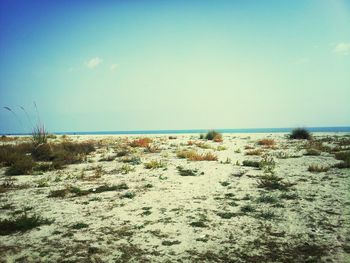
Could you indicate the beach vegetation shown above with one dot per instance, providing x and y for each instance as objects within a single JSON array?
[
  {"x": 128, "y": 195},
  {"x": 155, "y": 164},
  {"x": 22, "y": 223},
  {"x": 134, "y": 160},
  {"x": 315, "y": 168},
  {"x": 289, "y": 195},
  {"x": 125, "y": 169},
  {"x": 300, "y": 134},
  {"x": 108, "y": 188},
  {"x": 192, "y": 155},
  {"x": 226, "y": 215},
  {"x": 59, "y": 193},
  {"x": 21, "y": 166},
  {"x": 39, "y": 135},
  {"x": 79, "y": 225},
  {"x": 267, "y": 215},
  {"x": 214, "y": 136},
  {"x": 141, "y": 142},
  {"x": 254, "y": 152},
  {"x": 267, "y": 164},
  {"x": 272, "y": 182},
  {"x": 198, "y": 224},
  {"x": 312, "y": 152},
  {"x": 152, "y": 149},
  {"x": 248, "y": 208},
  {"x": 187, "y": 172},
  {"x": 250, "y": 163},
  {"x": 221, "y": 148},
  {"x": 345, "y": 158},
  {"x": 267, "y": 142},
  {"x": 108, "y": 158},
  {"x": 268, "y": 199}
]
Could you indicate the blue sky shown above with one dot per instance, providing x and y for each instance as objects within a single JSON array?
[{"x": 138, "y": 65}]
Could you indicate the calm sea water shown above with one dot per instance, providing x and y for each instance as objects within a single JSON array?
[{"x": 251, "y": 130}]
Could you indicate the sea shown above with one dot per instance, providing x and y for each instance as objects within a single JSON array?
[
  {"x": 248, "y": 130},
  {"x": 344, "y": 129}
]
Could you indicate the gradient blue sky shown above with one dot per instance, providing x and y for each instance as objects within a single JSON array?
[{"x": 138, "y": 65}]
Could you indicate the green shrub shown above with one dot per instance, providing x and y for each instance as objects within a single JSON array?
[
  {"x": 214, "y": 136},
  {"x": 249, "y": 163},
  {"x": 272, "y": 182},
  {"x": 134, "y": 160},
  {"x": 42, "y": 152},
  {"x": 300, "y": 134},
  {"x": 314, "y": 168},
  {"x": 187, "y": 172},
  {"x": 107, "y": 188},
  {"x": 125, "y": 169},
  {"x": 129, "y": 195},
  {"x": 155, "y": 165},
  {"x": 79, "y": 226},
  {"x": 9, "y": 154},
  {"x": 312, "y": 152},
  {"x": 21, "y": 166},
  {"x": 345, "y": 157},
  {"x": 21, "y": 224}
]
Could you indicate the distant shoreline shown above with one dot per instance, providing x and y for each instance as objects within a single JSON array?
[{"x": 193, "y": 131}]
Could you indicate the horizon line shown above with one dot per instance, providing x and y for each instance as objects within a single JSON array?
[{"x": 182, "y": 131}]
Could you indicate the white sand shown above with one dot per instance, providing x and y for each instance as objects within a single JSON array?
[{"x": 119, "y": 229}]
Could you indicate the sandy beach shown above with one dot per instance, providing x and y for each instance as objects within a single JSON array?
[{"x": 137, "y": 200}]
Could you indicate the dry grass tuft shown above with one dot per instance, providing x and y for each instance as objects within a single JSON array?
[
  {"x": 142, "y": 142},
  {"x": 255, "y": 152},
  {"x": 192, "y": 155},
  {"x": 267, "y": 142}
]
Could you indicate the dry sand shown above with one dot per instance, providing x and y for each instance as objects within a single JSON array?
[{"x": 220, "y": 215}]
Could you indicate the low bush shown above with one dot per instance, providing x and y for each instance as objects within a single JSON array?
[
  {"x": 21, "y": 224},
  {"x": 155, "y": 165},
  {"x": 134, "y": 160},
  {"x": 125, "y": 169},
  {"x": 250, "y": 163},
  {"x": 315, "y": 168},
  {"x": 142, "y": 142},
  {"x": 312, "y": 152},
  {"x": 187, "y": 172},
  {"x": 345, "y": 158},
  {"x": 21, "y": 166},
  {"x": 267, "y": 142},
  {"x": 214, "y": 136},
  {"x": 300, "y": 134},
  {"x": 272, "y": 182}
]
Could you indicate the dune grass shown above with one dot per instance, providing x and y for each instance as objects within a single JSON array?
[{"x": 192, "y": 155}]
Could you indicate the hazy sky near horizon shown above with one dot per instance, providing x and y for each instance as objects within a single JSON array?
[{"x": 138, "y": 65}]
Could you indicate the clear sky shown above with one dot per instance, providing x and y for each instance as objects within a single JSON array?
[{"x": 138, "y": 65}]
